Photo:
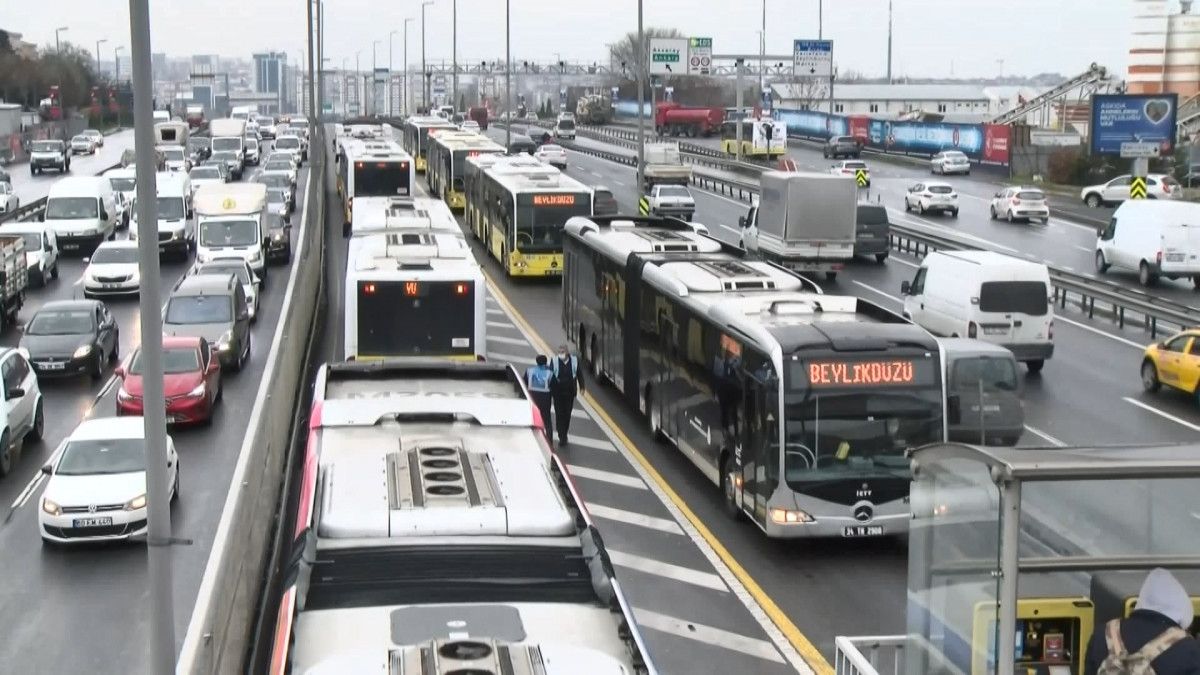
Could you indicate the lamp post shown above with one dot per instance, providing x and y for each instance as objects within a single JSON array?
[
  {"x": 374, "y": 93},
  {"x": 343, "y": 88},
  {"x": 508, "y": 106},
  {"x": 117, "y": 63},
  {"x": 98, "y": 43},
  {"x": 454, "y": 53},
  {"x": 358, "y": 106},
  {"x": 404, "y": 88},
  {"x": 640, "y": 58},
  {"x": 424, "y": 79},
  {"x": 57, "y": 44},
  {"x": 390, "y": 107}
]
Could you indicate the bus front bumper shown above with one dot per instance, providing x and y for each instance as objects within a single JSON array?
[{"x": 535, "y": 265}]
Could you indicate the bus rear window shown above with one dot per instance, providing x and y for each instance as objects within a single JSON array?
[
  {"x": 1014, "y": 297},
  {"x": 416, "y": 318},
  {"x": 381, "y": 179}
]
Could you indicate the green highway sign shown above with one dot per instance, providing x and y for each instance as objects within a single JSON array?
[
  {"x": 700, "y": 42},
  {"x": 668, "y": 56},
  {"x": 665, "y": 57}
]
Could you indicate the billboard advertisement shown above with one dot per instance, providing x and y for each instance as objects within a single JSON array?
[{"x": 1127, "y": 118}]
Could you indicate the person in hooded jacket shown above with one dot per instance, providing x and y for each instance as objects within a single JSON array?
[{"x": 1162, "y": 604}]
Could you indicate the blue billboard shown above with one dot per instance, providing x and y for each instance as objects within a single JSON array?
[{"x": 1130, "y": 118}]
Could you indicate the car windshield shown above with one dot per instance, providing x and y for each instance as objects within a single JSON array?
[
  {"x": 1014, "y": 297},
  {"x": 173, "y": 154},
  {"x": 566, "y": 124},
  {"x": 69, "y": 208},
  {"x": 238, "y": 271},
  {"x": 174, "y": 359},
  {"x": 275, "y": 180},
  {"x": 276, "y": 197},
  {"x": 1031, "y": 195},
  {"x": 102, "y": 456},
  {"x": 552, "y": 149},
  {"x": 206, "y": 172},
  {"x": 1168, "y": 180},
  {"x": 988, "y": 372},
  {"x": 33, "y": 240},
  {"x": 115, "y": 255},
  {"x": 81, "y": 139},
  {"x": 940, "y": 189},
  {"x": 169, "y": 208},
  {"x": 193, "y": 309},
  {"x": 251, "y": 143},
  {"x": 287, "y": 143},
  {"x": 200, "y": 143},
  {"x": 674, "y": 191},
  {"x": 278, "y": 165},
  {"x": 229, "y": 233},
  {"x": 46, "y": 146},
  {"x": 61, "y": 322},
  {"x": 91, "y": 132},
  {"x": 955, "y": 156},
  {"x": 122, "y": 184}
]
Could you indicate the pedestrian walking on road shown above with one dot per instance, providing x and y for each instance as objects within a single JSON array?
[
  {"x": 1153, "y": 639},
  {"x": 565, "y": 384},
  {"x": 537, "y": 378}
]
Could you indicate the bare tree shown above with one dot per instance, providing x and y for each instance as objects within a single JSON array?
[
  {"x": 625, "y": 50},
  {"x": 808, "y": 93}
]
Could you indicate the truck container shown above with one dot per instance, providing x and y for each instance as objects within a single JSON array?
[
  {"x": 171, "y": 133},
  {"x": 664, "y": 166},
  {"x": 14, "y": 278},
  {"x": 804, "y": 221},
  {"x": 195, "y": 115},
  {"x": 480, "y": 115},
  {"x": 593, "y": 109},
  {"x": 673, "y": 119}
]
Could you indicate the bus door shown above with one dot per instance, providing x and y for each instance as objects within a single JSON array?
[
  {"x": 610, "y": 328},
  {"x": 664, "y": 391},
  {"x": 758, "y": 447}
]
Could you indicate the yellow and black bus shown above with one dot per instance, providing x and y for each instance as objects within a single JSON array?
[
  {"x": 521, "y": 211},
  {"x": 762, "y": 139},
  {"x": 448, "y": 153},
  {"x": 416, "y": 136}
]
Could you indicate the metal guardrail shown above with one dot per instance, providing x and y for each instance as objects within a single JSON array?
[
  {"x": 227, "y": 603},
  {"x": 1091, "y": 296},
  {"x": 849, "y": 659}
]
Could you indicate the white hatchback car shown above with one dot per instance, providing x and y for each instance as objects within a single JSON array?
[
  {"x": 21, "y": 410},
  {"x": 554, "y": 155},
  {"x": 851, "y": 167},
  {"x": 932, "y": 196},
  {"x": 9, "y": 201},
  {"x": 113, "y": 270},
  {"x": 1020, "y": 203},
  {"x": 83, "y": 145},
  {"x": 97, "y": 482},
  {"x": 1115, "y": 191}
]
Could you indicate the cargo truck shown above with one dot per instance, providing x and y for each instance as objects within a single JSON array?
[
  {"x": 673, "y": 119},
  {"x": 804, "y": 221},
  {"x": 14, "y": 278},
  {"x": 229, "y": 135},
  {"x": 664, "y": 166}
]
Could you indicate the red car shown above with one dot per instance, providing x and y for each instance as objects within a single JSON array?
[{"x": 191, "y": 381}]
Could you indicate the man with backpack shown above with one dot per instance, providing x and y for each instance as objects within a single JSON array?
[
  {"x": 565, "y": 385},
  {"x": 537, "y": 378},
  {"x": 1153, "y": 639}
]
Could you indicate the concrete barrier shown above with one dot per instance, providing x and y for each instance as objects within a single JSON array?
[{"x": 219, "y": 632}]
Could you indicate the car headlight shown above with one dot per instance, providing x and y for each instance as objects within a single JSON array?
[
  {"x": 51, "y": 507},
  {"x": 223, "y": 341},
  {"x": 278, "y": 236},
  {"x": 254, "y": 257},
  {"x": 197, "y": 392},
  {"x": 82, "y": 352},
  {"x": 138, "y": 502}
]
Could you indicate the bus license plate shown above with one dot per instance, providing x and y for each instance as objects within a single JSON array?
[
  {"x": 92, "y": 522},
  {"x": 862, "y": 531}
]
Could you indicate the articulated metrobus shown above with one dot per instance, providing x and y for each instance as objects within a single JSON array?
[
  {"x": 372, "y": 169},
  {"x": 416, "y": 136},
  {"x": 763, "y": 139},
  {"x": 435, "y": 532},
  {"x": 473, "y": 182},
  {"x": 524, "y": 210},
  {"x": 799, "y": 406},
  {"x": 414, "y": 294},
  {"x": 447, "y": 159}
]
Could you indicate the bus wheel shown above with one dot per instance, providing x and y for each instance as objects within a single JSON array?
[
  {"x": 652, "y": 418},
  {"x": 730, "y": 501}
]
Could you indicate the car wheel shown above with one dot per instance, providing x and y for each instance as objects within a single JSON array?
[
  {"x": 921, "y": 208},
  {"x": 1035, "y": 366},
  {"x": 98, "y": 365},
  {"x": 730, "y": 497},
  {"x": 116, "y": 350},
  {"x": 954, "y": 213},
  {"x": 1010, "y": 215},
  {"x": 1150, "y": 380},
  {"x": 1101, "y": 265},
  {"x": 7, "y": 454},
  {"x": 1093, "y": 200},
  {"x": 54, "y": 271},
  {"x": 1145, "y": 276},
  {"x": 881, "y": 257},
  {"x": 992, "y": 211},
  {"x": 39, "y": 425}
]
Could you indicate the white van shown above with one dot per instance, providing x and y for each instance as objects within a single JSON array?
[
  {"x": 1153, "y": 237},
  {"x": 175, "y": 232},
  {"x": 985, "y": 295},
  {"x": 229, "y": 223},
  {"x": 41, "y": 249},
  {"x": 82, "y": 211}
]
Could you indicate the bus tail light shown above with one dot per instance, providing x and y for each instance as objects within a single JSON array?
[
  {"x": 972, "y": 329},
  {"x": 1158, "y": 258},
  {"x": 461, "y": 288},
  {"x": 790, "y": 517}
]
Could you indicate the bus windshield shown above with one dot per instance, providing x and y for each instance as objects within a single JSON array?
[
  {"x": 381, "y": 179},
  {"x": 540, "y": 219},
  {"x": 858, "y": 417}
]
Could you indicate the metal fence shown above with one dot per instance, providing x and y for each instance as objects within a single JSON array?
[{"x": 864, "y": 655}]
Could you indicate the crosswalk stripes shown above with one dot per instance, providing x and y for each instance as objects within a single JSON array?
[
  {"x": 707, "y": 634},
  {"x": 507, "y": 340},
  {"x": 633, "y": 518},
  {"x": 606, "y": 477},
  {"x": 661, "y": 569},
  {"x": 511, "y": 358},
  {"x": 496, "y": 311},
  {"x": 502, "y": 324},
  {"x": 591, "y": 442}
]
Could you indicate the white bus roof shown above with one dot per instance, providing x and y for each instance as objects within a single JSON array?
[
  {"x": 411, "y": 252},
  {"x": 380, "y": 214},
  {"x": 618, "y": 237},
  {"x": 374, "y": 150},
  {"x": 230, "y": 199},
  {"x": 535, "y": 179}
]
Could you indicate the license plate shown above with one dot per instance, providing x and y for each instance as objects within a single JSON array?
[
  {"x": 52, "y": 366},
  {"x": 110, "y": 285},
  {"x": 995, "y": 331},
  {"x": 92, "y": 522},
  {"x": 862, "y": 531},
  {"x": 68, "y": 246},
  {"x": 1176, "y": 257}
]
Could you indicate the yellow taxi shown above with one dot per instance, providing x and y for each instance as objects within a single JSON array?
[{"x": 1174, "y": 362}]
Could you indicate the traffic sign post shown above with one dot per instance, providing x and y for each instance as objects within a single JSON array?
[
  {"x": 699, "y": 56},
  {"x": 1137, "y": 188},
  {"x": 812, "y": 58},
  {"x": 667, "y": 56}
]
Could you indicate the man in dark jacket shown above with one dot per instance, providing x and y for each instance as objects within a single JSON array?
[
  {"x": 1162, "y": 604},
  {"x": 565, "y": 384}
]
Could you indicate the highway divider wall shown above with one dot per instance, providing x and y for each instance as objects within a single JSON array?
[{"x": 219, "y": 633}]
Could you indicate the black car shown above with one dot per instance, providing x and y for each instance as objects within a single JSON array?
[
  {"x": 603, "y": 202},
  {"x": 520, "y": 144},
  {"x": 842, "y": 146},
  {"x": 71, "y": 337},
  {"x": 279, "y": 239}
]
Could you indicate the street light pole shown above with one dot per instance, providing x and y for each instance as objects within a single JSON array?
[
  {"x": 424, "y": 79},
  {"x": 98, "y": 43},
  {"x": 762, "y": 48},
  {"x": 391, "y": 108},
  {"x": 117, "y": 66},
  {"x": 454, "y": 53},
  {"x": 404, "y": 89},
  {"x": 343, "y": 88},
  {"x": 312, "y": 90},
  {"x": 508, "y": 106},
  {"x": 639, "y": 58},
  {"x": 154, "y": 414},
  {"x": 374, "y": 67},
  {"x": 57, "y": 44},
  {"x": 320, "y": 60}
]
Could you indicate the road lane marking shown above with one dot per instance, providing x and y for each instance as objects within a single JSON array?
[
  {"x": 26, "y": 493},
  {"x": 594, "y": 443},
  {"x": 1045, "y": 436},
  {"x": 499, "y": 324},
  {"x": 666, "y": 570},
  {"x": 497, "y": 356},
  {"x": 507, "y": 340},
  {"x": 795, "y": 646},
  {"x": 1084, "y": 249},
  {"x": 1097, "y": 331},
  {"x": 576, "y": 412},
  {"x": 902, "y": 261},
  {"x": 1163, "y": 414},
  {"x": 707, "y": 634},
  {"x": 105, "y": 389},
  {"x": 493, "y": 310},
  {"x": 606, "y": 476},
  {"x": 889, "y": 296},
  {"x": 641, "y": 520}
]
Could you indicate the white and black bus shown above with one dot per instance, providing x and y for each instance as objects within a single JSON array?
[{"x": 799, "y": 405}]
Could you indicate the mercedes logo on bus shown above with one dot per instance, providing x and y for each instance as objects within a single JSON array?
[{"x": 864, "y": 512}]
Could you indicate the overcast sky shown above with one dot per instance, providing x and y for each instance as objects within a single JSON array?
[{"x": 932, "y": 37}]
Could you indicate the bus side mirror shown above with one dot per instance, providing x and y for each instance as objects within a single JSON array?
[
  {"x": 953, "y": 409},
  {"x": 905, "y": 288}
]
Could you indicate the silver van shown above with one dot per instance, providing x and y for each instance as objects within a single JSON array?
[{"x": 983, "y": 393}]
